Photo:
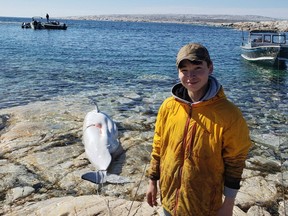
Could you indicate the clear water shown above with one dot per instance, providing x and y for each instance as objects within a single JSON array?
[{"x": 40, "y": 64}]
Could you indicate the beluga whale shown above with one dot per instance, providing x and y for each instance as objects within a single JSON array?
[{"x": 100, "y": 139}]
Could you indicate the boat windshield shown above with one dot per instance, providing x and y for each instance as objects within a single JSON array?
[
  {"x": 279, "y": 39},
  {"x": 268, "y": 38}
]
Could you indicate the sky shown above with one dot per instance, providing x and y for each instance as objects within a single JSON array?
[{"x": 63, "y": 8}]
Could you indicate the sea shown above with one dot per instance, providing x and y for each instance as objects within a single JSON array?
[{"x": 38, "y": 65}]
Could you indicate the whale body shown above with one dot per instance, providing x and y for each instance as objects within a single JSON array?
[{"x": 100, "y": 139}]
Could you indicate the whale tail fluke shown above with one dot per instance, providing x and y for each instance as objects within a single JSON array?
[
  {"x": 97, "y": 177},
  {"x": 100, "y": 177}
]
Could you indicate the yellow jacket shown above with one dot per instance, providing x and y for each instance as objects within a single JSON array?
[{"x": 196, "y": 148}]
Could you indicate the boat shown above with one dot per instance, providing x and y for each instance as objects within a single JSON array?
[
  {"x": 266, "y": 47},
  {"x": 55, "y": 25},
  {"x": 38, "y": 23},
  {"x": 26, "y": 25}
]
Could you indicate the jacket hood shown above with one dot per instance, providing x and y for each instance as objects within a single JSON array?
[{"x": 181, "y": 93}]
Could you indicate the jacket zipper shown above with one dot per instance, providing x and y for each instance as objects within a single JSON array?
[
  {"x": 184, "y": 148},
  {"x": 192, "y": 140}
]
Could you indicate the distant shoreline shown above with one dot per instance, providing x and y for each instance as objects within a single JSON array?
[{"x": 233, "y": 21}]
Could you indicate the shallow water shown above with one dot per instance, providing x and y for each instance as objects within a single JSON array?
[{"x": 92, "y": 57}]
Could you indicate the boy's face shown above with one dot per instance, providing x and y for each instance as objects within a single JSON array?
[{"x": 194, "y": 75}]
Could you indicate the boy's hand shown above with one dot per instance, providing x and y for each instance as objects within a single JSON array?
[
  {"x": 227, "y": 207},
  {"x": 151, "y": 194}
]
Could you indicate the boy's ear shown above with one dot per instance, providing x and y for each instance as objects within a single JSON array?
[{"x": 211, "y": 67}]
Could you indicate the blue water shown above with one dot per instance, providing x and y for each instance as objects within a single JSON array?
[{"x": 41, "y": 64}]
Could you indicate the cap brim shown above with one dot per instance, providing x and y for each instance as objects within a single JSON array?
[{"x": 190, "y": 58}]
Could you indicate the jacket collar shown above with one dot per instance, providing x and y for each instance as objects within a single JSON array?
[{"x": 181, "y": 93}]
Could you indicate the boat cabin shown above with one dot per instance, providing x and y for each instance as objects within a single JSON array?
[{"x": 265, "y": 37}]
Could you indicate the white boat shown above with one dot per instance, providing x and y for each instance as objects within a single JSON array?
[{"x": 266, "y": 46}]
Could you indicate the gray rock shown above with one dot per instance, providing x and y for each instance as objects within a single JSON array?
[
  {"x": 18, "y": 192},
  {"x": 256, "y": 190},
  {"x": 269, "y": 140},
  {"x": 257, "y": 211},
  {"x": 283, "y": 208}
]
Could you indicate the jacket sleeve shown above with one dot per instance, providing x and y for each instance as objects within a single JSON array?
[
  {"x": 154, "y": 169},
  {"x": 236, "y": 144}
]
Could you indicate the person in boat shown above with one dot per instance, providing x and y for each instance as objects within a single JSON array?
[
  {"x": 200, "y": 144},
  {"x": 47, "y": 17}
]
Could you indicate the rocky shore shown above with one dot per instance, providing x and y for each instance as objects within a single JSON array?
[
  {"x": 42, "y": 159},
  {"x": 248, "y": 22}
]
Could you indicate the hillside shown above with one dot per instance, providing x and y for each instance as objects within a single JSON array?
[{"x": 233, "y": 21}]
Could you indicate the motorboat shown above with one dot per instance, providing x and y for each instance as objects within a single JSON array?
[
  {"x": 26, "y": 25},
  {"x": 55, "y": 25},
  {"x": 38, "y": 23},
  {"x": 266, "y": 46}
]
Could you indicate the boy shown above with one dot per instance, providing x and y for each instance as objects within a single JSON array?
[{"x": 200, "y": 144}]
